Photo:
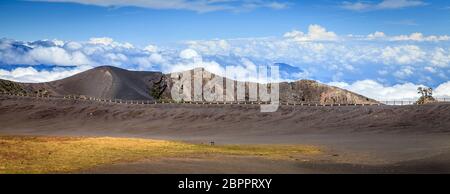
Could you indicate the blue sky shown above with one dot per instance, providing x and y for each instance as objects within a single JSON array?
[
  {"x": 388, "y": 46},
  {"x": 30, "y": 20}
]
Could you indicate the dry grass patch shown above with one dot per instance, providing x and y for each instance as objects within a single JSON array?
[{"x": 29, "y": 154}]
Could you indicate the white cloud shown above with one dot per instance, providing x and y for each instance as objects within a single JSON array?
[
  {"x": 397, "y": 4},
  {"x": 404, "y": 54},
  {"x": 151, "y": 48},
  {"x": 72, "y": 46},
  {"x": 440, "y": 57},
  {"x": 103, "y": 41},
  {"x": 106, "y": 41},
  {"x": 375, "y": 90},
  {"x": 413, "y": 37},
  {"x": 357, "y": 57},
  {"x": 443, "y": 90},
  {"x": 95, "y": 52},
  {"x": 31, "y": 75},
  {"x": 430, "y": 69},
  {"x": 293, "y": 48},
  {"x": 356, "y": 6},
  {"x": 156, "y": 58},
  {"x": 315, "y": 33},
  {"x": 192, "y": 5},
  {"x": 383, "y": 5},
  {"x": 188, "y": 54},
  {"x": 378, "y": 91},
  {"x": 319, "y": 33},
  {"x": 394, "y": 61},
  {"x": 57, "y": 55},
  {"x": 376, "y": 35},
  {"x": 275, "y": 5},
  {"x": 219, "y": 46},
  {"x": 420, "y": 37},
  {"x": 405, "y": 72},
  {"x": 58, "y": 42},
  {"x": 192, "y": 61}
]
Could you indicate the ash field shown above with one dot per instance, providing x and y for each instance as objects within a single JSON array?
[{"x": 295, "y": 139}]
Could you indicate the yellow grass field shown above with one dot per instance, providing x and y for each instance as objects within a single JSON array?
[{"x": 39, "y": 154}]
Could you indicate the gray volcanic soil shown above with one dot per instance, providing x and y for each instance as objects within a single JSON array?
[
  {"x": 104, "y": 82},
  {"x": 379, "y": 139}
]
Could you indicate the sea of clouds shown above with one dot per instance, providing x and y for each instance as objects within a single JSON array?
[{"x": 376, "y": 65}]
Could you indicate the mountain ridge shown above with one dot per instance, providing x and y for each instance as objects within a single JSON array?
[{"x": 110, "y": 82}]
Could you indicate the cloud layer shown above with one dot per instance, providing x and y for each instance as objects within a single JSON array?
[
  {"x": 32, "y": 75},
  {"x": 191, "y": 5},
  {"x": 377, "y": 61},
  {"x": 381, "y": 5}
]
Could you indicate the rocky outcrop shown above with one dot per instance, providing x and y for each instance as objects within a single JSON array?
[
  {"x": 303, "y": 91},
  {"x": 313, "y": 91}
]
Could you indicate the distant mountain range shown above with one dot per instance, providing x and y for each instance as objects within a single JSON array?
[{"x": 109, "y": 82}]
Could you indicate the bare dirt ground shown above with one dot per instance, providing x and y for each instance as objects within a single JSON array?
[
  {"x": 363, "y": 139},
  {"x": 236, "y": 165}
]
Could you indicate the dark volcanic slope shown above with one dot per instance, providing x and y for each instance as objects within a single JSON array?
[
  {"x": 354, "y": 134},
  {"x": 190, "y": 119},
  {"x": 115, "y": 83},
  {"x": 107, "y": 82},
  {"x": 102, "y": 82}
]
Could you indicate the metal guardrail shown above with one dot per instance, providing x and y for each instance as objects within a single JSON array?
[
  {"x": 398, "y": 102},
  {"x": 409, "y": 101},
  {"x": 149, "y": 102},
  {"x": 443, "y": 99}
]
